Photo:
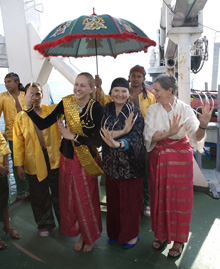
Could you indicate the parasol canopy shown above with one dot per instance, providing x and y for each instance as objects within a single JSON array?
[{"x": 94, "y": 35}]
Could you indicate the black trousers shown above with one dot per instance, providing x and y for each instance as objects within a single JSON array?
[
  {"x": 44, "y": 196},
  {"x": 4, "y": 194}
]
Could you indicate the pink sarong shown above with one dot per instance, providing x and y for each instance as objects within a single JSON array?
[
  {"x": 79, "y": 201},
  {"x": 170, "y": 166}
]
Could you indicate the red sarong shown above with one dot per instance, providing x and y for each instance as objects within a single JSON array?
[
  {"x": 170, "y": 166},
  {"x": 79, "y": 201},
  {"x": 124, "y": 207}
]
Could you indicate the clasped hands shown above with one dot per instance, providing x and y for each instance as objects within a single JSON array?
[{"x": 110, "y": 136}]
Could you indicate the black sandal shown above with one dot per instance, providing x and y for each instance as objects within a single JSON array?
[
  {"x": 179, "y": 250},
  {"x": 162, "y": 244}
]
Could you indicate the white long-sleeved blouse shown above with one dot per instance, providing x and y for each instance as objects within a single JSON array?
[{"x": 157, "y": 120}]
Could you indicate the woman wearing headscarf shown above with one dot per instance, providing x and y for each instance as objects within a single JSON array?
[
  {"x": 142, "y": 98},
  {"x": 123, "y": 164}
]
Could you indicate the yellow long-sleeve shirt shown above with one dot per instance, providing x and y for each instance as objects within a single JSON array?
[
  {"x": 26, "y": 146},
  {"x": 103, "y": 99},
  {"x": 146, "y": 102},
  {"x": 8, "y": 107},
  {"x": 4, "y": 149}
]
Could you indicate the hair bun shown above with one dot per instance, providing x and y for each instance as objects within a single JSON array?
[{"x": 173, "y": 79}]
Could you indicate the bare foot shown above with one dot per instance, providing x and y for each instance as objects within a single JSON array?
[
  {"x": 88, "y": 248},
  {"x": 79, "y": 244}
]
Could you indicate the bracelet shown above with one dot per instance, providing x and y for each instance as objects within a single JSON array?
[
  {"x": 126, "y": 144},
  {"x": 75, "y": 138},
  {"x": 202, "y": 128},
  {"x": 120, "y": 144}
]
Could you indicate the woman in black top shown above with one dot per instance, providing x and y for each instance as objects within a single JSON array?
[
  {"x": 79, "y": 163},
  {"x": 124, "y": 165}
]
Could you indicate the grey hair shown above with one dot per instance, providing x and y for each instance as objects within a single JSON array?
[{"x": 167, "y": 81}]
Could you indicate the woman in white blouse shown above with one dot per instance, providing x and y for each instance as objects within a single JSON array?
[{"x": 171, "y": 130}]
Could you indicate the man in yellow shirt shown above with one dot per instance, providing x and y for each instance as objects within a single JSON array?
[
  {"x": 142, "y": 98},
  {"x": 12, "y": 102},
  {"x": 38, "y": 151}
]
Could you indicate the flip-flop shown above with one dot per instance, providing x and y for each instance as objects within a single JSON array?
[
  {"x": 3, "y": 245},
  {"x": 12, "y": 232},
  {"x": 162, "y": 244}
]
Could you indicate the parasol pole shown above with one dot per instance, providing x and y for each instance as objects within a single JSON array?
[{"x": 96, "y": 54}]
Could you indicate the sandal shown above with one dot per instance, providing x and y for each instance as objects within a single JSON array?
[
  {"x": 19, "y": 198},
  {"x": 22, "y": 196},
  {"x": 178, "y": 250},
  {"x": 3, "y": 245},
  {"x": 13, "y": 233},
  {"x": 162, "y": 244},
  {"x": 146, "y": 211}
]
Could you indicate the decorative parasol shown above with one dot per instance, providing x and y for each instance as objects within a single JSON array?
[{"x": 94, "y": 35}]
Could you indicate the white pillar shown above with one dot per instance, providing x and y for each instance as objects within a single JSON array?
[
  {"x": 184, "y": 67},
  {"x": 184, "y": 37},
  {"x": 16, "y": 38}
]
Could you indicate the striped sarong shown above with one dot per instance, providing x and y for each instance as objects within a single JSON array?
[
  {"x": 79, "y": 201},
  {"x": 170, "y": 166}
]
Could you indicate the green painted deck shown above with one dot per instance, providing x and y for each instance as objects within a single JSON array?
[{"x": 56, "y": 251}]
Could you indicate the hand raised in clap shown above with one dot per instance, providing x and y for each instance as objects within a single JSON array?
[
  {"x": 175, "y": 125},
  {"x": 206, "y": 115}
]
